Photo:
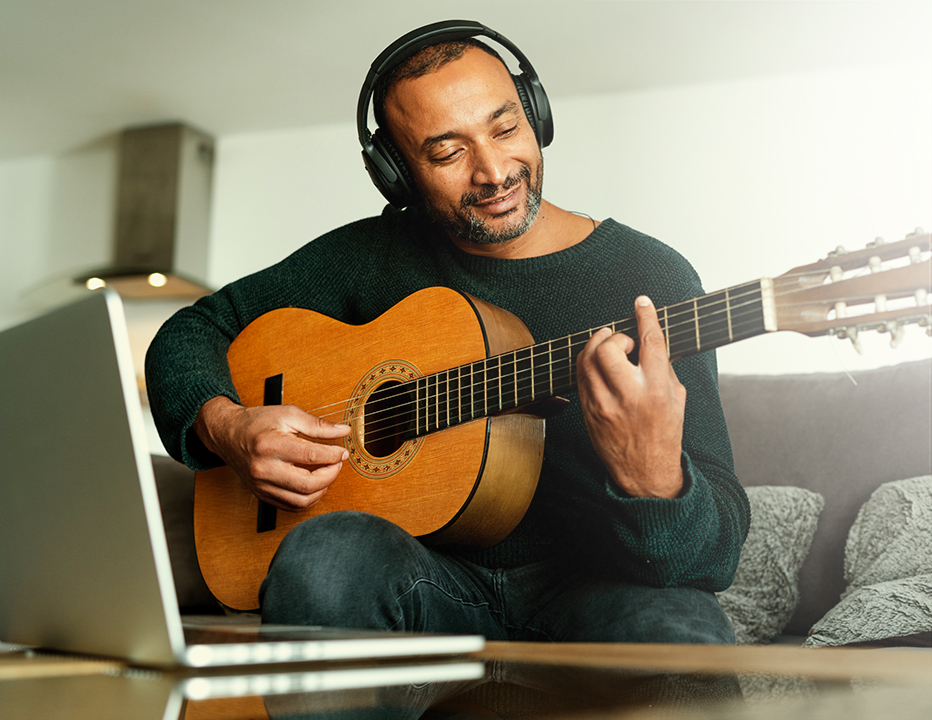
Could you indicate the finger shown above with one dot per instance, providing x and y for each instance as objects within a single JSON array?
[
  {"x": 587, "y": 364},
  {"x": 607, "y": 357},
  {"x": 312, "y": 426},
  {"x": 301, "y": 450},
  {"x": 296, "y": 487},
  {"x": 653, "y": 355},
  {"x": 290, "y": 501}
]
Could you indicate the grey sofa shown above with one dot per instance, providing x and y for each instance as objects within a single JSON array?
[{"x": 819, "y": 432}]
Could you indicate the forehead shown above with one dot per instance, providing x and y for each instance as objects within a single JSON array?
[{"x": 460, "y": 93}]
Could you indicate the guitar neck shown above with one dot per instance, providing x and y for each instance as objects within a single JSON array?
[{"x": 546, "y": 370}]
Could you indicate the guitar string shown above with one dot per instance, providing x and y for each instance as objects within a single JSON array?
[
  {"x": 507, "y": 385},
  {"x": 687, "y": 310}
]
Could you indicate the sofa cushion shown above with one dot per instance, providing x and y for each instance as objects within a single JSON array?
[
  {"x": 891, "y": 538},
  {"x": 888, "y": 565},
  {"x": 892, "y": 609},
  {"x": 838, "y": 435},
  {"x": 765, "y": 592}
]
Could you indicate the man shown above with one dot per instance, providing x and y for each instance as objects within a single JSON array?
[{"x": 638, "y": 517}]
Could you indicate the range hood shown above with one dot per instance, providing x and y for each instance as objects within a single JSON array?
[{"x": 162, "y": 215}]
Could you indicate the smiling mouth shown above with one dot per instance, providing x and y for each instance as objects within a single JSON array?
[{"x": 498, "y": 204}]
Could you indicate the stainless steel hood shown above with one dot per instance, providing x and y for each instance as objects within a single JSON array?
[{"x": 162, "y": 216}]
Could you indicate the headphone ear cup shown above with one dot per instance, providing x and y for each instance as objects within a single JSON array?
[
  {"x": 388, "y": 171},
  {"x": 536, "y": 107}
]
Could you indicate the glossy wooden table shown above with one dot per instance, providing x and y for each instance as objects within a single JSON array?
[{"x": 506, "y": 680}]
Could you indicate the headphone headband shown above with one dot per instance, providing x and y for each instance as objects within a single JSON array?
[{"x": 383, "y": 162}]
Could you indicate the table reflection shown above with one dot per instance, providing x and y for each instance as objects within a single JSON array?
[
  {"x": 507, "y": 690},
  {"x": 551, "y": 683}
]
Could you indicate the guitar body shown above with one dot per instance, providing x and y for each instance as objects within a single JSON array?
[{"x": 469, "y": 484}]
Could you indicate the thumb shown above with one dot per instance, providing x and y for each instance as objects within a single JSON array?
[{"x": 316, "y": 427}]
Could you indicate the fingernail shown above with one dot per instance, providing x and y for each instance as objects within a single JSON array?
[{"x": 643, "y": 301}]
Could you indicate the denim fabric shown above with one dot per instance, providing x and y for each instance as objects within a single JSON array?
[{"x": 349, "y": 569}]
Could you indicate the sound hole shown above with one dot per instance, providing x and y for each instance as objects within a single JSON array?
[{"x": 388, "y": 419}]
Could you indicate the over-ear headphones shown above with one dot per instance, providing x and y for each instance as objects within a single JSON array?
[{"x": 383, "y": 161}]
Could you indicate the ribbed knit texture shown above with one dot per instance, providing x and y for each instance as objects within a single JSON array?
[{"x": 357, "y": 272}]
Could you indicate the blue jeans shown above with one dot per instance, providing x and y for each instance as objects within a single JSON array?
[{"x": 349, "y": 569}]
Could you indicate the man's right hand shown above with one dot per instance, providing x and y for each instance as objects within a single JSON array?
[{"x": 273, "y": 450}]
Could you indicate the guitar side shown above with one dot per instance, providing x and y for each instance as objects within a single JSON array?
[{"x": 468, "y": 484}]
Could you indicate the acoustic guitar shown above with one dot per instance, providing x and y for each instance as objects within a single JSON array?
[{"x": 445, "y": 396}]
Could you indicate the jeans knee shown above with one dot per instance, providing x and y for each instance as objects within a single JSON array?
[
  {"x": 329, "y": 569},
  {"x": 685, "y": 615}
]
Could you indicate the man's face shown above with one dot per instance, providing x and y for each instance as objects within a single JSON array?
[{"x": 470, "y": 148}]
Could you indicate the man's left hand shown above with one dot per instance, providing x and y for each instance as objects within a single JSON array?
[{"x": 634, "y": 413}]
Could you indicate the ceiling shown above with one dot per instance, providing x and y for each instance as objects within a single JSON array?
[{"x": 72, "y": 72}]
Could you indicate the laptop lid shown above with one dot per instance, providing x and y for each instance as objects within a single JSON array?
[{"x": 85, "y": 563}]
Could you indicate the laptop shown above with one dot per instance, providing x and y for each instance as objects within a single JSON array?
[{"x": 84, "y": 565}]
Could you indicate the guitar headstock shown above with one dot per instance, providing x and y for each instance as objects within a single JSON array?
[{"x": 882, "y": 287}]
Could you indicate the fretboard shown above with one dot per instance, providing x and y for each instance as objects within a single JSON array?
[{"x": 546, "y": 370}]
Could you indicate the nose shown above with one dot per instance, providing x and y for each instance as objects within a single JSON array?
[{"x": 489, "y": 165}]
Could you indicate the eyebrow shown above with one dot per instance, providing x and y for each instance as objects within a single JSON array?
[{"x": 428, "y": 143}]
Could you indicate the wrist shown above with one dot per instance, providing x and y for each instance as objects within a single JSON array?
[
  {"x": 664, "y": 483},
  {"x": 211, "y": 420}
]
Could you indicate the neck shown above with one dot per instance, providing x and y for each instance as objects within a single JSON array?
[{"x": 554, "y": 229}]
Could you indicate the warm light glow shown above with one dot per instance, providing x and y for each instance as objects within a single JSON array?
[
  {"x": 157, "y": 280},
  {"x": 94, "y": 283}
]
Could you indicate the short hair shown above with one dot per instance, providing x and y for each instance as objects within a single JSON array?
[{"x": 423, "y": 62}]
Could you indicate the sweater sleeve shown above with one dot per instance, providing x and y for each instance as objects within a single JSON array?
[{"x": 185, "y": 367}]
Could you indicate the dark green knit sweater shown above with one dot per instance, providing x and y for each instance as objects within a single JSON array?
[{"x": 359, "y": 271}]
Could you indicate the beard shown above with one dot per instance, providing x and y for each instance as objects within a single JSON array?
[{"x": 462, "y": 222}]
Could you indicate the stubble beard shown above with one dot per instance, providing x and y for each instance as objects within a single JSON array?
[{"x": 463, "y": 223}]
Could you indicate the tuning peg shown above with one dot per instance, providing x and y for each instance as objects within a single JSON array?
[
  {"x": 851, "y": 333},
  {"x": 897, "y": 332},
  {"x": 878, "y": 241},
  {"x": 840, "y": 250}
]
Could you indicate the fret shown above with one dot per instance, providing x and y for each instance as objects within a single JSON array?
[
  {"x": 471, "y": 388},
  {"x": 440, "y": 394},
  {"x": 465, "y": 408},
  {"x": 666, "y": 328},
  {"x": 541, "y": 375},
  {"x": 420, "y": 405},
  {"x": 485, "y": 388},
  {"x": 712, "y": 321},
  {"x": 748, "y": 318},
  {"x": 696, "y": 322},
  {"x": 731, "y": 335},
  {"x": 478, "y": 388},
  {"x": 525, "y": 380},
  {"x": 499, "y": 373},
  {"x": 514, "y": 374},
  {"x": 449, "y": 398}
]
